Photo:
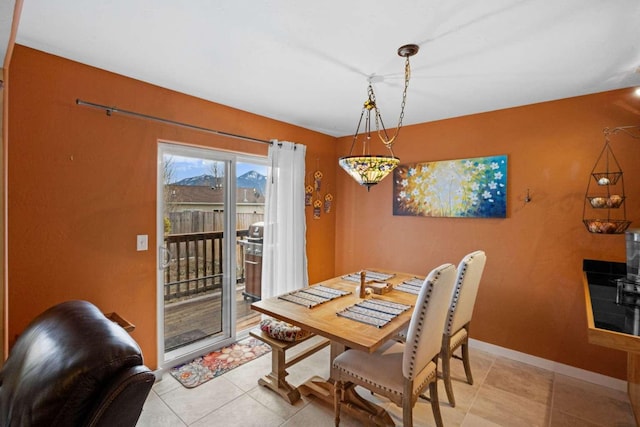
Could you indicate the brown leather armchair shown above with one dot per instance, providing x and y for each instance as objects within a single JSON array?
[{"x": 73, "y": 367}]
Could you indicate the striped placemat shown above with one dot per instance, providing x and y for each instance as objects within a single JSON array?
[
  {"x": 411, "y": 286},
  {"x": 369, "y": 275},
  {"x": 313, "y": 295},
  {"x": 377, "y": 313}
]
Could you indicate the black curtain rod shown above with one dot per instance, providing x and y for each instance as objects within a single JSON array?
[{"x": 111, "y": 110}]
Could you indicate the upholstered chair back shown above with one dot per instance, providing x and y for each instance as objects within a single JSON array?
[
  {"x": 73, "y": 367},
  {"x": 466, "y": 289},
  {"x": 425, "y": 328}
]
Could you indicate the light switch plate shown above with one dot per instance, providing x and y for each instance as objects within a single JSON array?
[{"x": 142, "y": 242}]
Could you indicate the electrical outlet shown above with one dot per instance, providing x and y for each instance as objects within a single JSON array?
[{"x": 142, "y": 242}]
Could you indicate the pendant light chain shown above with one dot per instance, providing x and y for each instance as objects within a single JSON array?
[
  {"x": 366, "y": 169},
  {"x": 388, "y": 142}
]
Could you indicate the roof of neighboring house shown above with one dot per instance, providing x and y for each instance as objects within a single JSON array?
[{"x": 206, "y": 194}]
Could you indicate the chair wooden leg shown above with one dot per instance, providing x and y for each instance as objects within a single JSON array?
[
  {"x": 435, "y": 404},
  {"x": 407, "y": 412},
  {"x": 446, "y": 375},
  {"x": 466, "y": 362},
  {"x": 338, "y": 390}
]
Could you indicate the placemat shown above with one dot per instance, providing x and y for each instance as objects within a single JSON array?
[
  {"x": 369, "y": 275},
  {"x": 411, "y": 286},
  {"x": 374, "y": 312},
  {"x": 313, "y": 295}
]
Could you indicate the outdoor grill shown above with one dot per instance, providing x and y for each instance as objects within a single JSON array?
[{"x": 253, "y": 261}]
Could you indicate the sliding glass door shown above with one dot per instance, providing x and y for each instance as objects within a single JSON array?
[{"x": 204, "y": 211}]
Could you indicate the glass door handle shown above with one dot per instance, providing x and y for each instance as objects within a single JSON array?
[{"x": 166, "y": 256}]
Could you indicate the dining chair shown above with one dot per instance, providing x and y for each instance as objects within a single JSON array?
[
  {"x": 401, "y": 371},
  {"x": 456, "y": 330}
]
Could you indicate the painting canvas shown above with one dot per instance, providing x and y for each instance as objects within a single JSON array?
[{"x": 474, "y": 187}]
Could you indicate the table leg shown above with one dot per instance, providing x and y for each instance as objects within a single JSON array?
[
  {"x": 335, "y": 350},
  {"x": 318, "y": 386},
  {"x": 354, "y": 404},
  {"x": 365, "y": 410}
]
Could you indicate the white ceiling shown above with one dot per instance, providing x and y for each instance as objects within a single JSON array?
[
  {"x": 307, "y": 63},
  {"x": 6, "y": 18}
]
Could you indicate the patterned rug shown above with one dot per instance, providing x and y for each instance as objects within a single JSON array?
[{"x": 216, "y": 363}]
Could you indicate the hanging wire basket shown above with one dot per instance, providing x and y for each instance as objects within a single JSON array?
[
  {"x": 604, "y": 209},
  {"x": 606, "y": 178},
  {"x": 613, "y": 201},
  {"x": 607, "y": 226}
]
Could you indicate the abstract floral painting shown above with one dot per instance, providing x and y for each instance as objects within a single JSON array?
[{"x": 453, "y": 188}]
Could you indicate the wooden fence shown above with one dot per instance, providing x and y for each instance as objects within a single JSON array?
[{"x": 200, "y": 221}]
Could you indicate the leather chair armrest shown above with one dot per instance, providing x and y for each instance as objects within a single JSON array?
[{"x": 123, "y": 400}]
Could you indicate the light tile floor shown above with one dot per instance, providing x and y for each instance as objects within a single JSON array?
[{"x": 504, "y": 393}]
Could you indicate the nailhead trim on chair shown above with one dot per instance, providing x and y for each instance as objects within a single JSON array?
[
  {"x": 454, "y": 303},
  {"x": 417, "y": 390},
  {"x": 414, "y": 345},
  {"x": 431, "y": 377},
  {"x": 367, "y": 381},
  {"x": 459, "y": 336}
]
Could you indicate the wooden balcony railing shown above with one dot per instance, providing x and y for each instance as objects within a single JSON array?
[{"x": 196, "y": 264}]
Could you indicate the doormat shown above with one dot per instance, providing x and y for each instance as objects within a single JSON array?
[
  {"x": 183, "y": 338},
  {"x": 216, "y": 363}
]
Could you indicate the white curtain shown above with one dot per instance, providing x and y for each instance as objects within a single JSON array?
[{"x": 284, "y": 257}]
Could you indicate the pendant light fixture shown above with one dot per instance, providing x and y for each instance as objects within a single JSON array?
[{"x": 369, "y": 169}]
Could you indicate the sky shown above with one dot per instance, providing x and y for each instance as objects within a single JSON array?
[{"x": 186, "y": 167}]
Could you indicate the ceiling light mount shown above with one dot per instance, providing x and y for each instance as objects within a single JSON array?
[
  {"x": 408, "y": 50},
  {"x": 366, "y": 169}
]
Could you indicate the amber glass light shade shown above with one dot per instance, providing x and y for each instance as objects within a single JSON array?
[{"x": 368, "y": 170}]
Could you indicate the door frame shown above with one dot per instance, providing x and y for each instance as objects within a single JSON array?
[
  {"x": 191, "y": 351},
  {"x": 227, "y": 335}
]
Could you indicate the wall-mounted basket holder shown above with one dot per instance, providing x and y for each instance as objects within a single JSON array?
[{"x": 604, "y": 210}]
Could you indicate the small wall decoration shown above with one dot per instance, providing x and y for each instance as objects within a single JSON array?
[
  {"x": 308, "y": 195},
  {"x": 328, "y": 198},
  {"x": 313, "y": 195},
  {"x": 317, "y": 179},
  {"x": 474, "y": 187},
  {"x": 316, "y": 208}
]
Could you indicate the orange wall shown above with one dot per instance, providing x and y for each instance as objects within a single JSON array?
[
  {"x": 531, "y": 297},
  {"x": 82, "y": 185}
]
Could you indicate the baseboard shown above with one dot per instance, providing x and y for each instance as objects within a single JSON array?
[{"x": 550, "y": 365}]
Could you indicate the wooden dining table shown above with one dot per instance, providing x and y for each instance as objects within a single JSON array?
[{"x": 346, "y": 333}]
